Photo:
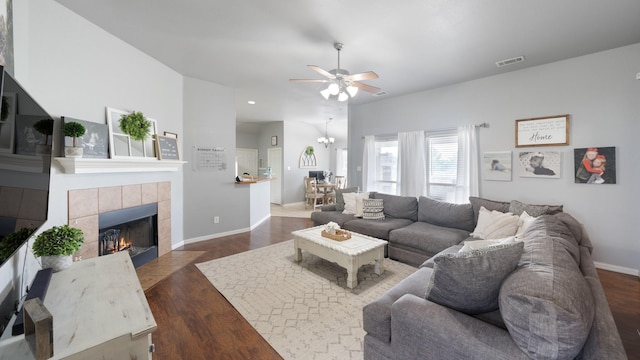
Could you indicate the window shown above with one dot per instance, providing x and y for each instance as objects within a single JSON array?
[
  {"x": 386, "y": 166},
  {"x": 442, "y": 167}
]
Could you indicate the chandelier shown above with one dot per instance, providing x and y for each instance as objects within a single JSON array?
[{"x": 326, "y": 140}]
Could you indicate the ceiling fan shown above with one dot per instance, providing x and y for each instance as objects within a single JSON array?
[{"x": 342, "y": 85}]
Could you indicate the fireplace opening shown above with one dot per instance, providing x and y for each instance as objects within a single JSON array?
[{"x": 134, "y": 230}]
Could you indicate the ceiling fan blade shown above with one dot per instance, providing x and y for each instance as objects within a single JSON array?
[
  {"x": 309, "y": 80},
  {"x": 367, "y": 88},
  {"x": 321, "y": 71},
  {"x": 369, "y": 75}
]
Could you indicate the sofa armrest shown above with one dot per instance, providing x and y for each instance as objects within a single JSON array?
[
  {"x": 424, "y": 329},
  {"x": 330, "y": 207}
]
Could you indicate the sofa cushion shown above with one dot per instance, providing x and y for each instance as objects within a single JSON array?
[
  {"x": 470, "y": 281},
  {"x": 546, "y": 303},
  {"x": 340, "y": 199},
  {"x": 458, "y": 216},
  {"x": 375, "y": 228},
  {"x": 495, "y": 225},
  {"x": 399, "y": 207},
  {"x": 490, "y": 205},
  {"x": 373, "y": 209},
  {"x": 516, "y": 207},
  {"x": 426, "y": 237}
]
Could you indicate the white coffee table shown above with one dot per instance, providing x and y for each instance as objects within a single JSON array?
[{"x": 349, "y": 254}]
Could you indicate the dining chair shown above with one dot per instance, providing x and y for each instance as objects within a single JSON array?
[{"x": 312, "y": 195}]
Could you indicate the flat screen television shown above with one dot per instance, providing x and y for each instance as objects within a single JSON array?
[
  {"x": 319, "y": 175},
  {"x": 26, "y": 133}
]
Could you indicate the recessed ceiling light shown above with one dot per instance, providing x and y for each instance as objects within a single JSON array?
[{"x": 251, "y": 102}]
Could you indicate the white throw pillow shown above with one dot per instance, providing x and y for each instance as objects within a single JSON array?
[
  {"x": 524, "y": 222},
  {"x": 495, "y": 224},
  {"x": 353, "y": 203},
  {"x": 486, "y": 244}
]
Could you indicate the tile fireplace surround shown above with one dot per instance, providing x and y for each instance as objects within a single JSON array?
[{"x": 86, "y": 205}]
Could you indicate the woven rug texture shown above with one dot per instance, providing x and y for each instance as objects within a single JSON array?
[{"x": 304, "y": 310}]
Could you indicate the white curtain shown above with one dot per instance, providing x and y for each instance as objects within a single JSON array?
[
  {"x": 412, "y": 163},
  {"x": 468, "y": 158},
  {"x": 369, "y": 164}
]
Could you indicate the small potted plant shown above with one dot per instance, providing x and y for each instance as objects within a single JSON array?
[
  {"x": 135, "y": 125},
  {"x": 44, "y": 127},
  {"x": 57, "y": 245},
  {"x": 74, "y": 130}
]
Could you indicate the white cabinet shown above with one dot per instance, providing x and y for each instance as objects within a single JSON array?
[{"x": 99, "y": 312}]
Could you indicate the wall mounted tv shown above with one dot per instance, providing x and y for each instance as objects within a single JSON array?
[{"x": 26, "y": 133}]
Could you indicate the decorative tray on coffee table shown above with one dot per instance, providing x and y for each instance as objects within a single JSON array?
[{"x": 340, "y": 235}]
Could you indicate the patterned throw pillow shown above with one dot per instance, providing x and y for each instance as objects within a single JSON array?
[{"x": 373, "y": 209}]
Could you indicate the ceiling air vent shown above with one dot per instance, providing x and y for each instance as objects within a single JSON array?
[{"x": 511, "y": 61}]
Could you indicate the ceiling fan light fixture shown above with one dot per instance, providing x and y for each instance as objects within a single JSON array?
[
  {"x": 343, "y": 96},
  {"x": 352, "y": 90},
  {"x": 325, "y": 93},
  {"x": 334, "y": 89}
]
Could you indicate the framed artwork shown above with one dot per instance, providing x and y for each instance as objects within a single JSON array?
[
  {"x": 497, "y": 166},
  {"x": 122, "y": 145},
  {"x": 167, "y": 148},
  {"x": 540, "y": 164},
  {"x": 94, "y": 142},
  {"x": 8, "y": 122},
  {"x": 543, "y": 131},
  {"x": 274, "y": 141},
  {"x": 595, "y": 165},
  {"x": 28, "y": 140}
]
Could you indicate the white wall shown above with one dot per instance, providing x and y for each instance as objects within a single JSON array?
[
  {"x": 602, "y": 96},
  {"x": 209, "y": 121},
  {"x": 73, "y": 68}
]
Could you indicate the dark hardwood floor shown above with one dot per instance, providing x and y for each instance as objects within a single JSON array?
[{"x": 196, "y": 322}]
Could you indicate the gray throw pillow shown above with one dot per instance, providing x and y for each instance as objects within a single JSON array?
[
  {"x": 457, "y": 216},
  {"x": 477, "y": 203},
  {"x": 340, "y": 199},
  {"x": 470, "y": 281},
  {"x": 516, "y": 207}
]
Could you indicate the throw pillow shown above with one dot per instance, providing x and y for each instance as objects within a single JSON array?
[
  {"x": 471, "y": 245},
  {"x": 524, "y": 221},
  {"x": 353, "y": 203},
  {"x": 516, "y": 207},
  {"x": 340, "y": 199},
  {"x": 470, "y": 282},
  {"x": 372, "y": 209},
  {"x": 477, "y": 203},
  {"x": 495, "y": 225}
]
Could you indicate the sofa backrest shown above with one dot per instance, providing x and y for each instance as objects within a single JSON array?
[
  {"x": 399, "y": 207},
  {"x": 457, "y": 216}
]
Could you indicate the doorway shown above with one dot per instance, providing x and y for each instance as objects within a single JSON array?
[{"x": 274, "y": 159}]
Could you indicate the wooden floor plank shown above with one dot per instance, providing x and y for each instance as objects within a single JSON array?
[{"x": 196, "y": 322}]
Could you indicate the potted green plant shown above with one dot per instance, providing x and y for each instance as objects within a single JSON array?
[
  {"x": 44, "y": 127},
  {"x": 135, "y": 125},
  {"x": 74, "y": 130},
  {"x": 57, "y": 245}
]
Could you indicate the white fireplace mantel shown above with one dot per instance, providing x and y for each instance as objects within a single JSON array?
[{"x": 117, "y": 165}]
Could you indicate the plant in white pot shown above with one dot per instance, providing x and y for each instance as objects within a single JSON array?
[
  {"x": 74, "y": 130},
  {"x": 57, "y": 245}
]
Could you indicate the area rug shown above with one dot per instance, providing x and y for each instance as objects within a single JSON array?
[{"x": 304, "y": 310}]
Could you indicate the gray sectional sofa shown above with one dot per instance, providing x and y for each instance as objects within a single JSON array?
[{"x": 538, "y": 298}]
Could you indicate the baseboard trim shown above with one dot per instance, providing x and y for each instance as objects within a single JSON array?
[
  {"x": 616, "y": 268},
  {"x": 293, "y": 204},
  {"x": 260, "y": 222},
  {"x": 213, "y": 236}
]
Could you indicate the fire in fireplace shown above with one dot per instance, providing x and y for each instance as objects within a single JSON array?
[{"x": 134, "y": 230}]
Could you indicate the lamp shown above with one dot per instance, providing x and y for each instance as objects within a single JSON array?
[
  {"x": 339, "y": 89},
  {"x": 326, "y": 140}
]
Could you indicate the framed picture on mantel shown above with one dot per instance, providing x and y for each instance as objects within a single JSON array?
[{"x": 543, "y": 131}]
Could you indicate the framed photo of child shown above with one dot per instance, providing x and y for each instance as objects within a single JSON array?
[
  {"x": 540, "y": 164},
  {"x": 595, "y": 165}
]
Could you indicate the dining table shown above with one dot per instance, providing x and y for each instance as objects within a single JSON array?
[{"x": 326, "y": 189}]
